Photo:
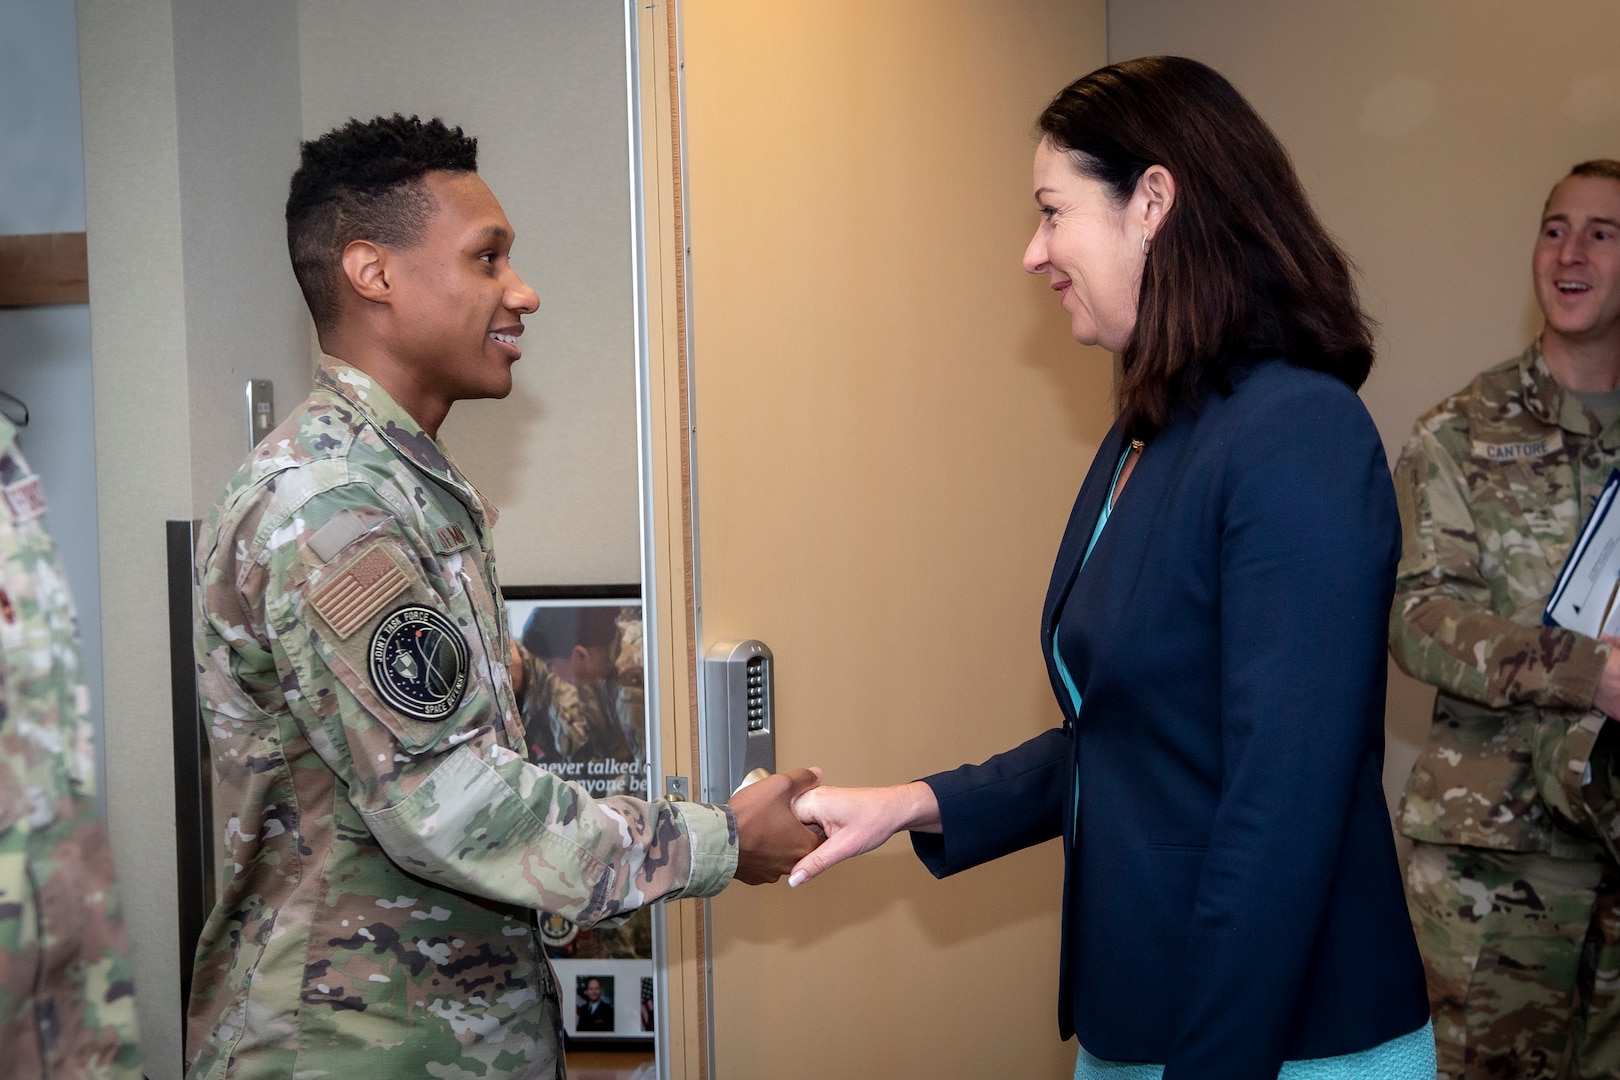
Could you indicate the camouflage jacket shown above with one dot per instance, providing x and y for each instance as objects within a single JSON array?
[
  {"x": 67, "y": 1005},
  {"x": 1494, "y": 487},
  {"x": 387, "y": 838}
]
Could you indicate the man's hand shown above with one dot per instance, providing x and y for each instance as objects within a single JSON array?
[
  {"x": 856, "y": 820},
  {"x": 770, "y": 839},
  {"x": 1607, "y": 698}
]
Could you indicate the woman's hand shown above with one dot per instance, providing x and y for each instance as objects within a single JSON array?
[{"x": 856, "y": 820}]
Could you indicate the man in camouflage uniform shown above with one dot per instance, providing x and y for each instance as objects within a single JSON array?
[
  {"x": 1514, "y": 893},
  {"x": 388, "y": 840},
  {"x": 67, "y": 998},
  {"x": 565, "y": 662}
]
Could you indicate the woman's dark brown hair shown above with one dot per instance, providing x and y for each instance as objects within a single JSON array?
[{"x": 1241, "y": 268}]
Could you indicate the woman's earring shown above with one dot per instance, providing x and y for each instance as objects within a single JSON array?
[{"x": 1144, "y": 243}]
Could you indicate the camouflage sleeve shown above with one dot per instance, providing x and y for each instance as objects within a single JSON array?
[
  {"x": 564, "y": 712},
  {"x": 442, "y": 794},
  {"x": 1443, "y": 628}
]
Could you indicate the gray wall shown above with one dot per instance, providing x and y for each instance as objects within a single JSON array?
[
  {"x": 237, "y": 120},
  {"x": 542, "y": 86},
  {"x": 45, "y": 351},
  {"x": 143, "y": 461}
]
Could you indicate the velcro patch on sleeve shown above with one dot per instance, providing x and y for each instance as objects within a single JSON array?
[
  {"x": 358, "y": 592},
  {"x": 26, "y": 498},
  {"x": 344, "y": 529}
]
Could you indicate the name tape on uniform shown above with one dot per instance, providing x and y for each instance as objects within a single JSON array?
[
  {"x": 1518, "y": 451},
  {"x": 451, "y": 537}
]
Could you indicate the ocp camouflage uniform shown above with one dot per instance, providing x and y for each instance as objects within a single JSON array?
[
  {"x": 67, "y": 1004},
  {"x": 388, "y": 841},
  {"x": 1510, "y": 874}
]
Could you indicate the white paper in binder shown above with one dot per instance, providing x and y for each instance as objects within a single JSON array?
[{"x": 1585, "y": 597}]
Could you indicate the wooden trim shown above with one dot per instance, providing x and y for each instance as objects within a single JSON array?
[
  {"x": 686, "y": 956},
  {"x": 43, "y": 268}
]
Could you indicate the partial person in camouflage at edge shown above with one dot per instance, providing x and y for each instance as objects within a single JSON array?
[
  {"x": 388, "y": 840},
  {"x": 67, "y": 996},
  {"x": 1514, "y": 893}
]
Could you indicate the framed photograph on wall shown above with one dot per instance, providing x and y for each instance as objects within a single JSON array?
[{"x": 577, "y": 667}]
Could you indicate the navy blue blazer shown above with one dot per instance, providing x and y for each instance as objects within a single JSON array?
[{"x": 1232, "y": 899}]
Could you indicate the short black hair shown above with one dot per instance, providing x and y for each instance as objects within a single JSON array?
[
  {"x": 552, "y": 632},
  {"x": 363, "y": 181}
]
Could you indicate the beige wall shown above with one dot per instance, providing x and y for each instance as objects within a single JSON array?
[
  {"x": 1428, "y": 135},
  {"x": 892, "y": 422},
  {"x": 543, "y": 87}
]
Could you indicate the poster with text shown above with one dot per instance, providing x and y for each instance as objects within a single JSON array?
[{"x": 576, "y": 666}]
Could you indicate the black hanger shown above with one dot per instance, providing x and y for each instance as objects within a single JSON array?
[{"x": 12, "y": 400}]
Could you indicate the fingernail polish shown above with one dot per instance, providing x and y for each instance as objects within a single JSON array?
[{"x": 795, "y": 879}]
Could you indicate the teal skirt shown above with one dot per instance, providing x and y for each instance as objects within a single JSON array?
[{"x": 1410, "y": 1057}]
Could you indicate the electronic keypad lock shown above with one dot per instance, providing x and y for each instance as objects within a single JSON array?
[{"x": 739, "y": 735}]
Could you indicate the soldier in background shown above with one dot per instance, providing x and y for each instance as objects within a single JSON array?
[
  {"x": 568, "y": 660},
  {"x": 389, "y": 840},
  {"x": 1513, "y": 894},
  {"x": 67, "y": 997}
]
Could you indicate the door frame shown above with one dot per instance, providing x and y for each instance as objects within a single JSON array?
[{"x": 682, "y": 971}]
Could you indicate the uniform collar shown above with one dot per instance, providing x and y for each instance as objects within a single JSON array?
[
  {"x": 396, "y": 426},
  {"x": 1547, "y": 401}
]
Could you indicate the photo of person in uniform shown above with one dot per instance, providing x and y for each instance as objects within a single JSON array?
[
  {"x": 593, "y": 1010},
  {"x": 565, "y": 669}
]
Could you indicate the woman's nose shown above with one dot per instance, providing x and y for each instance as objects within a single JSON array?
[{"x": 1035, "y": 254}]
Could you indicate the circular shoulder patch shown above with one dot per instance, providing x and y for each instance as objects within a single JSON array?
[
  {"x": 556, "y": 931},
  {"x": 418, "y": 662}
]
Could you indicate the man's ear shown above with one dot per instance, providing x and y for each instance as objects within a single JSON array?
[{"x": 366, "y": 266}]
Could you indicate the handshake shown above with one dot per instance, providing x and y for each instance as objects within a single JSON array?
[{"x": 788, "y": 823}]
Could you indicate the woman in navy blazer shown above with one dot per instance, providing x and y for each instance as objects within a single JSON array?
[{"x": 1214, "y": 634}]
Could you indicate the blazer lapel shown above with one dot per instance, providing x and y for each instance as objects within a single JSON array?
[{"x": 1082, "y": 520}]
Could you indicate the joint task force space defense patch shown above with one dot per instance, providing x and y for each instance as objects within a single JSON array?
[{"x": 418, "y": 662}]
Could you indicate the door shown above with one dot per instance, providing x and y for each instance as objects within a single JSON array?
[{"x": 869, "y": 425}]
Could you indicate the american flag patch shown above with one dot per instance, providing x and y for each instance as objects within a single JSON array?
[
  {"x": 356, "y": 594},
  {"x": 26, "y": 498}
]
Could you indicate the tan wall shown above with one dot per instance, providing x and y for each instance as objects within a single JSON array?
[
  {"x": 1428, "y": 135},
  {"x": 892, "y": 422}
]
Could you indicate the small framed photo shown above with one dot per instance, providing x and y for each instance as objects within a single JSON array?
[
  {"x": 577, "y": 669},
  {"x": 593, "y": 1004}
]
